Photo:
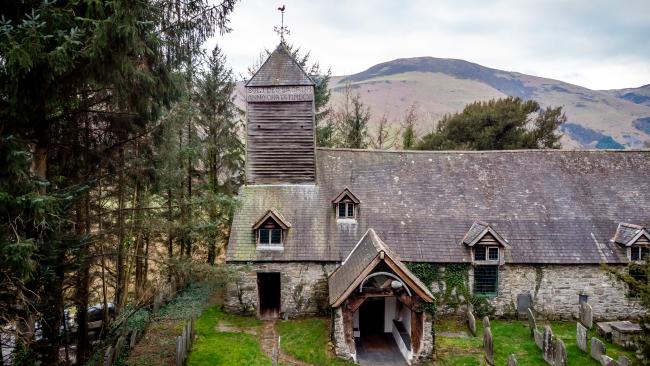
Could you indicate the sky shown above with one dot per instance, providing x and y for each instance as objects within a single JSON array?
[{"x": 598, "y": 44}]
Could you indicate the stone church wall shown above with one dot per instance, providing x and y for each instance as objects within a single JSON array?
[
  {"x": 555, "y": 290},
  {"x": 304, "y": 289}
]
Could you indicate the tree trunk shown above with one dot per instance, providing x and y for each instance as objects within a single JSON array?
[{"x": 120, "y": 285}]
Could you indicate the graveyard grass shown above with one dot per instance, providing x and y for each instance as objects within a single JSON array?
[
  {"x": 213, "y": 347},
  {"x": 307, "y": 340},
  {"x": 511, "y": 338}
]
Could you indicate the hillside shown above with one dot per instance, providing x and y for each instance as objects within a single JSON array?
[{"x": 596, "y": 119}]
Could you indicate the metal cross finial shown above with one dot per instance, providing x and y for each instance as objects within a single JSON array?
[{"x": 282, "y": 30}]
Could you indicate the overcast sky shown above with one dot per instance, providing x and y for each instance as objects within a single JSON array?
[{"x": 598, "y": 44}]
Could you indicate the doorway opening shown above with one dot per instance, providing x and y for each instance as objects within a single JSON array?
[{"x": 268, "y": 288}]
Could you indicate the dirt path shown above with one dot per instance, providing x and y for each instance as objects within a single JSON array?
[{"x": 269, "y": 342}]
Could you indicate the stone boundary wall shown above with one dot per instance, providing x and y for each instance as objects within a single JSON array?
[
  {"x": 304, "y": 289},
  {"x": 555, "y": 290}
]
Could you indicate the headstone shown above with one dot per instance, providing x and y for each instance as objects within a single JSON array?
[
  {"x": 597, "y": 348},
  {"x": 470, "y": 308},
  {"x": 512, "y": 360},
  {"x": 539, "y": 338},
  {"x": 560, "y": 354},
  {"x": 134, "y": 338},
  {"x": 586, "y": 315},
  {"x": 604, "y": 330},
  {"x": 488, "y": 346},
  {"x": 623, "y": 361},
  {"x": 607, "y": 361},
  {"x": 108, "y": 356},
  {"x": 581, "y": 336},
  {"x": 486, "y": 322},
  {"x": 471, "y": 323},
  {"x": 531, "y": 322},
  {"x": 548, "y": 349},
  {"x": 119, "y": 346},
  {"x": 524, "y": 302}
]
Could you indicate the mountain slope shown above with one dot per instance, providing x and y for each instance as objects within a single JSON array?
[{"x": 596, "y": 119}]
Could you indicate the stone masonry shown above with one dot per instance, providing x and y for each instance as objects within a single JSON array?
[
  {"x": 303, "y": 287},
  {"x": 556, "y": 288}
]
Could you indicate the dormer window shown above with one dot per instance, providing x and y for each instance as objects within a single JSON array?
[
  {"x": 346, "y": 205},
  {"x": 270, "y": 230},
  {"x": 636, "y": 240},
  {"x": 485, "y": 253}
]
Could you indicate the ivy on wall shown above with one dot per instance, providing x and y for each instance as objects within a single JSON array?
[{"x": 452, "y": 281}]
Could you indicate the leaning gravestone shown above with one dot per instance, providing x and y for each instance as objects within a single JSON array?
[
  {"x": 134, "y": 338},
  {"x": 581, "y": 336},
  {"x": 586, "y": 315},
  {"x": 560, "y": 356},
  {"x": 548, "y": 348},
  {"x": 597, "y": 349},
  {"x": 623, "y": 361},
  {"x": 471, "y": 323},
  {"x": 531, "y": 322},
  {"x": 512, "y": 361},
  {"x": 524, "y": 302},
  {"x": 488, "y": 346},
  {"x": 486, "y": 322},
  {"x": 607, "y": 361},
  {"x": 539, "y": 338}
]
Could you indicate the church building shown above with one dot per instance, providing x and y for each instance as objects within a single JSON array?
[{"x": 337, "y": 231}]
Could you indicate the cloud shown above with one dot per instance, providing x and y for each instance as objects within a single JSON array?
[{"x": 599, "y": 44}]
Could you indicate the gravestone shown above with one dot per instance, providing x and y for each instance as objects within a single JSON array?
[
  {"x": 488, "y": 346},
  {"x": 581, "y": 336},
  {"x": 486, "y": 322},
  {"x": 470, "y": 308},
  {"x": 134, "y": 338},
  {"x": 597, "y": 349},
  {"x": 548, "y": 349},
  {"x": 531, "y": 322},
  {"x": 471, "y": 323},
  {"x": 623, "y": 361},
  {"x": 586, "y": 315},
  {"x": 108, "y": 356},
  {"x": 119, "y": 346},
  {"x": 512, "y": 360},
  {"x": 539, "y": 338},
  {"x": 524, "y": 302},
  {"x": 560, "y": 356},
  {"x": 607, "y": 361}
]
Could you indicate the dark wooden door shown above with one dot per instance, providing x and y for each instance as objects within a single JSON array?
[
  {"x": 268, "y": 289},
  {"x": 371, "y": 316}
]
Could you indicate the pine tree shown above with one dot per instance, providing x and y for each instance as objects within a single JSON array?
[{"x": 351, "y": 122}]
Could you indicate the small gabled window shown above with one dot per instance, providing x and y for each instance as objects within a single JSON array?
[
  {"x": 638, "y": 253},
  {"x": 270, "y": 230},
  {"x": 345, "y": 205}
]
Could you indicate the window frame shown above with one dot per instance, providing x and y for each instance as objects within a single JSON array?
[
  {"x": 270, "y": 230},
  {"x": 347, "y": 204},
  {"x": 640, "y": 249},
  {"x": 486, "y": 253},
  {"x": 495, "y": 282}
]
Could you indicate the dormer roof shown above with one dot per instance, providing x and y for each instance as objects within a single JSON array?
[
  {"x": 628, "y": 234},
  {"x": 280, "y": 69},
  {"x": 276, "y": 216},
  {"x": 346, "y": 193},
  {"x": 480, "y": 229}
]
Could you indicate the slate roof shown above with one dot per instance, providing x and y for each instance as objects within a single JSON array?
[
  {"x": 554, "y": 206},
  {"x": 359, "y": 259},
  {"x": 280, "y": 69}
]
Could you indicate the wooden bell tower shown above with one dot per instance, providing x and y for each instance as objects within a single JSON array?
[{"x": 280, "y": 138}]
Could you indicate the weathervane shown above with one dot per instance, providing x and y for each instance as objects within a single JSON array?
[{"x": 282, "y": 30}]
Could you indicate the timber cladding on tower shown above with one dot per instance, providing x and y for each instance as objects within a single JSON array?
[{"x": 331, "y": 230}]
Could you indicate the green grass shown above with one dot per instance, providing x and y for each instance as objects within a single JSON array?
[
  {"x": 307, "y": 341},
  {"x": 215, "y": 348},
  {"x": 513, "y": 338}
]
